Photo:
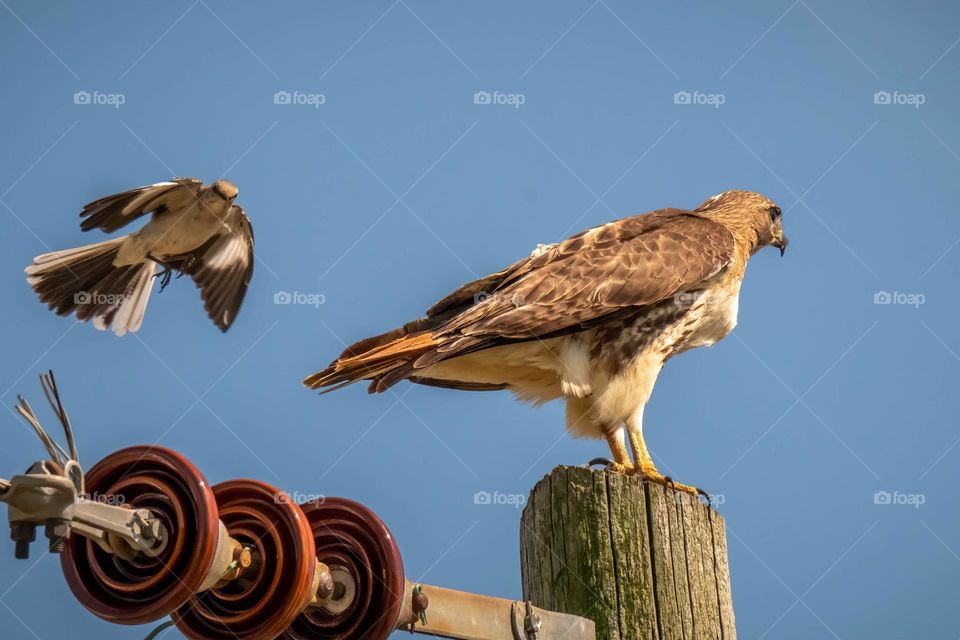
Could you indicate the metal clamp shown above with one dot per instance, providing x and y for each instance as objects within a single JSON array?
[{"x": 41, "y": 498}]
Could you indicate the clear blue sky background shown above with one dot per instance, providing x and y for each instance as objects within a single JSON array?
[{"x": 399, "y": 187}]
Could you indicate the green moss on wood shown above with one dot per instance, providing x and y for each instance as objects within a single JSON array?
[{"x": 640, "y": 560}]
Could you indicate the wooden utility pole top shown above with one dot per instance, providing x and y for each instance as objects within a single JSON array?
[{"x": 640, "y": 560}]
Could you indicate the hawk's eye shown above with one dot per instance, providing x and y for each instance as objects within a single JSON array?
[{"x": 775, "y": 213}]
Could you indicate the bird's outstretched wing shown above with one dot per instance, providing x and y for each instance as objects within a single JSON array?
[
  {"x": 222, "y": 268},
  {"x": 581, "y": 282},
  {"x": 112, "y": 212}
]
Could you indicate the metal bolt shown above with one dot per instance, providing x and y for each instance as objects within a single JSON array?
[
  {"x": 57, "y": 532},
  {"x": 531, "y": 623},
  {"x": 22, "y": 533},
  {"x": 326, "y": 587}
]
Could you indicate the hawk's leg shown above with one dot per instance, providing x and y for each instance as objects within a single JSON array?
[
  {"x": 616, "y": 440},
  {"x": 644, "y": 461}
]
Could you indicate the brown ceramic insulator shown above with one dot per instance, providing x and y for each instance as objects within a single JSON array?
[
  {"x": 349, "y": 535},
  {"x": 266, "y": 599},
  {"x": 145, "y": 588}
]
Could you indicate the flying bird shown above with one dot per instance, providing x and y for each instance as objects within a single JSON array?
[
  {"x": 590, "y": 320},
  {"x": 193, "y": 229}
]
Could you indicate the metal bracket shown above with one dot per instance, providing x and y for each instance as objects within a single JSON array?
[
  {"x": 469, "y": 616},
  {"x": 38, "y": 497}
]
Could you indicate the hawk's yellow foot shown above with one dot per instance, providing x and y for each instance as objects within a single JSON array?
[{"x": 649, "y": 472}]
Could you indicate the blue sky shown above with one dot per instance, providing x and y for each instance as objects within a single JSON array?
[{"x": 382, "y": 185}]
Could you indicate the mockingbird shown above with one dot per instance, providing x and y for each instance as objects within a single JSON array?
[{"x": 194, "y": 229}]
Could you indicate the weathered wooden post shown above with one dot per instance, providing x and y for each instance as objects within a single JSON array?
[{"x": 640, "y": 560}]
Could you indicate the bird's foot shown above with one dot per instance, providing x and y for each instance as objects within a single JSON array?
[
  {"x": 164, "y": 276},
  {"x": 651, "y": 474}
]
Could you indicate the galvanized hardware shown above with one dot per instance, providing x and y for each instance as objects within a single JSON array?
[
  {"x": 41, "y": 498},
  {"x": 325, "y": 585},
  {"x": 57, "y": 531},
  {"x": 528, "y": 627},
  {"x": 531, "y": 623},
  {"x": 325, "y": 588},
  {"x": 22, "y": 533}
]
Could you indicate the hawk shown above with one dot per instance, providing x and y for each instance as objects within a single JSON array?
[
  {"x": 194, "y": 229},
  {"x": 591, "y": 320}
]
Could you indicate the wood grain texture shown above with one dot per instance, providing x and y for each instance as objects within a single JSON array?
[{"x": 642, "y": 561}]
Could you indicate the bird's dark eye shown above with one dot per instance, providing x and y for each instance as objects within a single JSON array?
[{"x": 775, "y": 213}]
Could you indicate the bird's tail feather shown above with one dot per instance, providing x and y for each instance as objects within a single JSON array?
[
  {"x": 85, "y": 281},
  {"x": 384, "y": 359}
]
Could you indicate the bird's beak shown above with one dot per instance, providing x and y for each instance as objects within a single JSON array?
[{"x": 781, "y": 243}]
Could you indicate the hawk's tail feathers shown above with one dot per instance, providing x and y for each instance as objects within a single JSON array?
[
  {"x": 384, "y": 359},
  {"x": 85, "y": 281}
]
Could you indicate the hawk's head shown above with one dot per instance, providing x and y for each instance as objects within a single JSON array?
[{"x": 751, "y": 217}]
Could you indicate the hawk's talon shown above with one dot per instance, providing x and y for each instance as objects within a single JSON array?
[
  {"x": 604, "y": 462},
  {"x": 652, "y": 475}
]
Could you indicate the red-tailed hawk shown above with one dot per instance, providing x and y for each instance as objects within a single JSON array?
[
  {"x": 591, "y": 319},
  {"x": 194, "y": 229}
]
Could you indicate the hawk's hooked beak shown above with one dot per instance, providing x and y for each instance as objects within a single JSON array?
[{"x": 781, "y": 242}]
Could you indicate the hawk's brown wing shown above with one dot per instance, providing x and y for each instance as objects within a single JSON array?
[
  {"x": 581, "y": 282},
  {"x": 112, "y": 212},
  {"x": 222, "y": 268},
  {"x": 629, "y": 263}
]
